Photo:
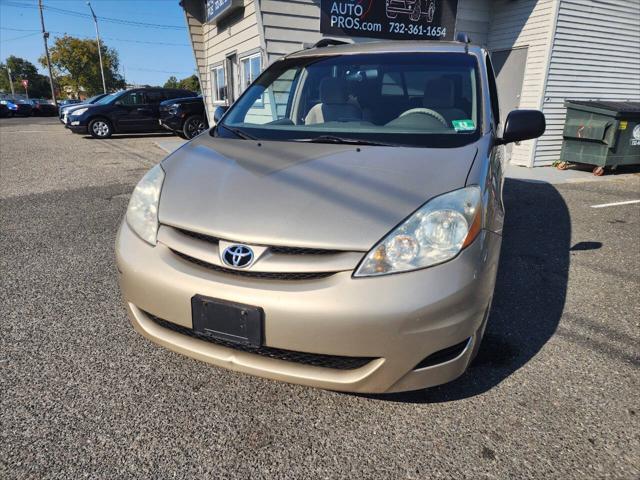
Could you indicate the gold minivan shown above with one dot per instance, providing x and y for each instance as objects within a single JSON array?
[{"x": 339, "y": 227}]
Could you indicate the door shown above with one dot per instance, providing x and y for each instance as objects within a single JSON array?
[
  {"x": 133, "y": 112},
  {"x": 509, "y": 66},
  {"x": 153, "y": 100}
]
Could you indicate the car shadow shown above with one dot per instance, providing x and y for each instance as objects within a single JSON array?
[
  {"x": 123, "y": 136},
  {"x": 530, "y": 292}
]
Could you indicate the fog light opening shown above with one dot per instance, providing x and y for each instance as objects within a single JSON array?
[{"x": 444, "y": 355}]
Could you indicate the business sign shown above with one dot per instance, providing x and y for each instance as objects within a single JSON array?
[
  {"x": 395, "y": 19},
  {"x": 216, "y": 9}
]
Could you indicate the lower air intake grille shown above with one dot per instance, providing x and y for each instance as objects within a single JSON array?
[
  {"x": 259, "y": 275},
  {"x": 313, "y": 359}
]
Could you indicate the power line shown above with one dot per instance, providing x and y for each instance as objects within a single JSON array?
[
  {"x": 19, "y": 38},
  {"x": 20, "y": 29},
  {"x": 74, "y": 13},
  {"x": 115, "y": 39}
]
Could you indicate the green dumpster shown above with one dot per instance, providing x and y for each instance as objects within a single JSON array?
[{"x": 600, "y": 133}]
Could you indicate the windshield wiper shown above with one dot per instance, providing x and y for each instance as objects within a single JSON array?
[
  {"x": 241, "y": 133},
  {"x": 347, "y": 141}
]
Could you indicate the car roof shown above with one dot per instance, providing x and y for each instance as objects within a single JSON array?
[{"x": 390, "y": 46}]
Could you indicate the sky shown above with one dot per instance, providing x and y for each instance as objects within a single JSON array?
[{"x": 152, "y": 42}]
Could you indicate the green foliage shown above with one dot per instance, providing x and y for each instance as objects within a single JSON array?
[
  {"x": 23, "y": 69},
  {"x": 172, "y": 82},
  {"x": 77, "y": 65},
  {"x": 189, "y": 83}
]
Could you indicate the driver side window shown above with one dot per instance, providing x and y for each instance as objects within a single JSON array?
[{"x": 134, "y": 98}]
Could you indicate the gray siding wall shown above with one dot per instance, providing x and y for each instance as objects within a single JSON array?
[
  {"x": 474, "y": 18},
  {"x": 525, "y": 23},
  {"x": 595, "y": 55}
]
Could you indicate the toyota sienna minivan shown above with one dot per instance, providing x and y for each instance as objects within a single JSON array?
[{"x": 339, "y": 227}]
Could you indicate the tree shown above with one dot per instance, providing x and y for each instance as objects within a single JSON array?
[
  {"x": 22, "y": 69},
  {"x": 77, "y": 65},
  {"x": 172, "y": 82},
  {"x": 190, "y": 83}
]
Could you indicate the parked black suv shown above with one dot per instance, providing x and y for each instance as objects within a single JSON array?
[
  {"x": 184, "y": 116},
  {"x": 134, "y": 110}
]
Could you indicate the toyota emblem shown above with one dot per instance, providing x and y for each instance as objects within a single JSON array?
[{"x": 238, "y": 256}]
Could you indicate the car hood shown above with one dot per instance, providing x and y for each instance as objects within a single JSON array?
[
  {"x": 303, "y": 194},
  {"x": 74, "y": 106}
]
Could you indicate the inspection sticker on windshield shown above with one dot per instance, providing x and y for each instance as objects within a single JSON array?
[{"x": 463, "y": 125}]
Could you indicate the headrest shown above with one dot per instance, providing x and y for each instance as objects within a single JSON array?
[
  {"x": 332, "y": 90},
  {"x": 439, "y": 93}
]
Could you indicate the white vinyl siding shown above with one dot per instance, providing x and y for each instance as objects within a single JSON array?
[
  {"x": 289, "y": 25},
  {"x": 237, "y": 37},
  {"x": 197, "y": 43},
  {"x": 595, "y": 56},
  {"x": 474, "y": 18},
  {"x": 525, "y": 23}
]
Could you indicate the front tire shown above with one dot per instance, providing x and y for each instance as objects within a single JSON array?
[
  {"x": 417, "y": 12},
  {"x": 100, "y": 128},
  {"x": 194, "y": 125}
]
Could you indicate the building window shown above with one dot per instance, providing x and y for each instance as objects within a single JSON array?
[
  {"x": 251, "y": 67},
  {"x": 218, "y": 85}
]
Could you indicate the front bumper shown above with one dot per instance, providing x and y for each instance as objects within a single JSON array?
[
  {"x": 76, "y": 125},
  {"x": 170, "y": 122},
  {"x": 398, "y": 319}
]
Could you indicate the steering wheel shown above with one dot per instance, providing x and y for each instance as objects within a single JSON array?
[{"x": 426, "y": 111}]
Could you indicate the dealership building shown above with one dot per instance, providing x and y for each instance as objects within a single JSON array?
[{"x": 544, "y": 52}]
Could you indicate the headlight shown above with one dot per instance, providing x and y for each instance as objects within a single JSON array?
[
  {"x": 78, "y": 112},
  {"x": 142, "y": 213},
  {"x": 434, "y": 234}
]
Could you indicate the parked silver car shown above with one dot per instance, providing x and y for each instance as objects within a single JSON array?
[{"x": 339, "y": 227}]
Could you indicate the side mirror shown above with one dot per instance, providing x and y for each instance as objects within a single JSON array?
[
  {"x": 523, "y": 125},
  {"x": 118, "y": 102},
  {"x": 219, "y": 112}
]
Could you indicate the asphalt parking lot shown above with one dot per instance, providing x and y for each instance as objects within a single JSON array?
[{"x": 554, "y": 393}]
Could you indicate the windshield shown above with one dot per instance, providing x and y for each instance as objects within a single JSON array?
[
  {"x": 413, "y": 99},
  {"x": 107, "y": 99}
]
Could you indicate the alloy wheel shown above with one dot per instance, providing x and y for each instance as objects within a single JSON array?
[{"x": 100, "y": 128}]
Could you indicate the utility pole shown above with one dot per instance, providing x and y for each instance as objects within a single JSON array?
[
  {"x": 13, "y": 93},
  {"x": 95, "y": 20},
  {"x": 45, "y": 36}
]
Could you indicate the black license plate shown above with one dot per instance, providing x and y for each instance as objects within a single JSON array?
[{"x": 229, "y": 321}]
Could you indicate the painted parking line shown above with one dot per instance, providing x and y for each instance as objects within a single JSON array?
[{"x": 615, "y": 204}]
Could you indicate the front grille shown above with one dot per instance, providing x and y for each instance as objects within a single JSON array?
[
  {"x": 258, "y": 275},
  {"x": 273, "y": 249},
  {"x": 314, "y": 359}
]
